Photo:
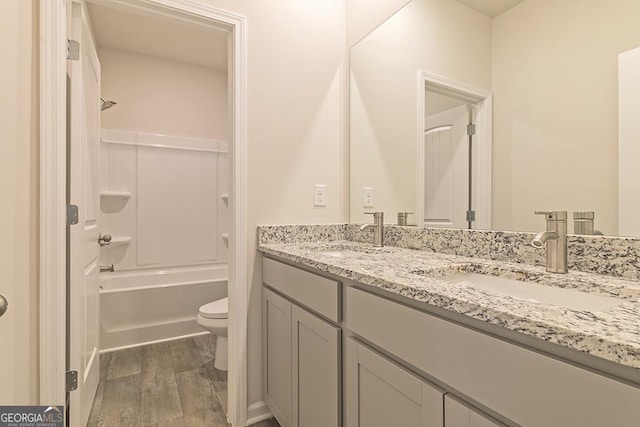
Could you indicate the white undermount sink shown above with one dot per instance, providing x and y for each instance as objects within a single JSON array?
[
  {"x": 350, "y": 251},
  {"x": 341, "y": 253},
  {"x": 561, "y": 297}
]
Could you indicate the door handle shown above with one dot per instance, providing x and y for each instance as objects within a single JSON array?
[{"x": 3, "y": 305}]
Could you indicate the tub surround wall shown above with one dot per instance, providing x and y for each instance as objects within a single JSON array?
[
  {"x": 614, "y": 256},
  {"x": 164, "y": 200}
]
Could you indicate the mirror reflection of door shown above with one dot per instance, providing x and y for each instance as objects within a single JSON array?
[
  {"x": 454, "y": 176},
  {"x": 446, "y": 174}
]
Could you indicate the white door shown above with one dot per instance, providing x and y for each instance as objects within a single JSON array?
[
  {"x": 446, "y": 169},
  {"x": 84, "y": 250}
]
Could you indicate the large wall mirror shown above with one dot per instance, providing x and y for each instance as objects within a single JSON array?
[{"x": 548, "y": 89}]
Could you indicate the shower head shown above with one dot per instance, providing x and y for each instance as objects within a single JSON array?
[{"x": 106, "y": 104}]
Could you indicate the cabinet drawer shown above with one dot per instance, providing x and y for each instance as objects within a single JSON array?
[
  {"x": 317, "y": 293},
  {"x": 524, "y": 386}
]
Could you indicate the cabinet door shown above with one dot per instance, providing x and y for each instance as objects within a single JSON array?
[
  {"x": 276, "y": 356},
  {"x": 382, "y": 394},
  {"x": 316, "y": 371},
  {"x": 457, "y": 414}
]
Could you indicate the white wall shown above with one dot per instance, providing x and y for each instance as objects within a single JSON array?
[
  {"x": 441, "y": 37},
  {"x": 162, "y": 96},
  {"x": 555, "y": 109},
  {"x": 19, "y": 207}
]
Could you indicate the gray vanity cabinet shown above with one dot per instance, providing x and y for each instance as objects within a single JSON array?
[
  {"x": 316, "y": 381},
  {"x": 457, "y": 414},
  {"x": 276, "y": 360},
  {"x": 380, "y": 393},
  {"x": 301, "y": 350}
]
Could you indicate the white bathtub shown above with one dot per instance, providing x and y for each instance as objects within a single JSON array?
[{"x": 141, "y": 307}]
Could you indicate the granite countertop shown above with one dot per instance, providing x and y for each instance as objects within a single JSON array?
[{"x": 612, "y": 334}]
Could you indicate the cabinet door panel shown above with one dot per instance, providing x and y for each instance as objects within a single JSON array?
[
  {"x": 316, "y": 373},
  {"x": 276, "y": 360},
  {"x": 457, "y": 414},
  {"x": 381, "y": 394}
]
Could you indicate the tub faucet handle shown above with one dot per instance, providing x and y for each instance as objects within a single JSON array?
[{"x": 104, "y": 240}]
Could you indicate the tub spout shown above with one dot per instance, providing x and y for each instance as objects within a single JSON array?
[{"x": 107, "y": 268}]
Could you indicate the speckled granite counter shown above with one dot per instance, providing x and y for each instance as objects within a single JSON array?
[{"x": 612, "y": 334}]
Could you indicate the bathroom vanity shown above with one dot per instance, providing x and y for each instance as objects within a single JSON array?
[{"x": 363, "y": 336}]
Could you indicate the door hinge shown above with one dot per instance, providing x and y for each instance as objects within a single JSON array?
[
  {"x": 471, "y": 216},
  {"x": 72, "y": 214},
  {"x": 71, "y": 379},
  {"x": 471, "y": 129},
  {"x": 73, "y": 50}
]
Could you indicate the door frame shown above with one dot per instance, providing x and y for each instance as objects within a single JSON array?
[
  {"x": 53, "y": 165},
  {"x": 484, "y": 131}
]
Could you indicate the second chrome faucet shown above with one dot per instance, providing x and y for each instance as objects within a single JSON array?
[
  {"x": 378, "y": 228},
  {"x": 555, "y": 239}
]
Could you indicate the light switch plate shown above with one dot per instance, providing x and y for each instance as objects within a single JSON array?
[
  {"x": 367, "y": 197},
  {"x": 320, "y": 195}
]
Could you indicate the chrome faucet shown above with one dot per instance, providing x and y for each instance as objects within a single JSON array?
[
  {"x": 555, "y": 239},
  {"x": 378, "y": 228}
]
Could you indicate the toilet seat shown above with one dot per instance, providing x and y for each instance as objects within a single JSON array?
[{"x": 218, "y": 309}]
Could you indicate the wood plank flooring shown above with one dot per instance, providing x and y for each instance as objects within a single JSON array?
[{"x": 172, "y": 383}]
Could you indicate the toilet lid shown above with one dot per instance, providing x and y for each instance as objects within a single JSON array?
[{"x": 218, "y": 309}]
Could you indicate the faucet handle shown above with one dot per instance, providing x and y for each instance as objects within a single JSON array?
[
  {"x": 402, "y": 217},
  {"x": 553, "y": 215},
  {"x": 376, "y": 215}
]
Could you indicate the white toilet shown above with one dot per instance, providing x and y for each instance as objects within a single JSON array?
[{"x": 214, "y": 318}]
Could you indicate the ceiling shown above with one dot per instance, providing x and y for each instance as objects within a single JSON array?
[
  {"x": 193, "y": 43},
  {"x": 491, "y": 8},
  {"x": 185, "y": 42}
]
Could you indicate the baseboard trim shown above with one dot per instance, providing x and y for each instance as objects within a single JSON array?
[{"x": 257, "y": 412}]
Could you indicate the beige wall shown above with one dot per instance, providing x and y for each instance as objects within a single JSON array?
[
  {"x": 365, "y": 15},
  {"x": 296, "y": 53},
  {"x": 18, "y": 213},
  {"x": 442, "y": 37},
  {"x": 555, "y": 109},
  {"x": 295, "y": 117},
  {"x": 162, "y": 96}
]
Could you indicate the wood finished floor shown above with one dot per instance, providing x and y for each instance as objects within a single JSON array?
[{"x": 165, "y": 384}]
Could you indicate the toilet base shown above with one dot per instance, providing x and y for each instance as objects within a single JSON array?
[{"x": 220, "y": 362}]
